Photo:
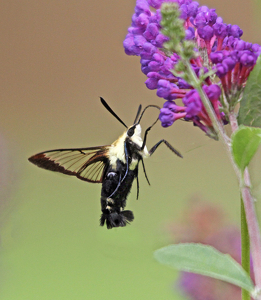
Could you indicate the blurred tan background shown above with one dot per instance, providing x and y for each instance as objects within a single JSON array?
[{"x": 57, "y": 59}]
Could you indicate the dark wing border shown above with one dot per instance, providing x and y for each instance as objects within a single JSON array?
[{"x": 88, "y": 164}]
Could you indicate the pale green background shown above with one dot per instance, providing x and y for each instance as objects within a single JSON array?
[{"x": 57, "y": 58}]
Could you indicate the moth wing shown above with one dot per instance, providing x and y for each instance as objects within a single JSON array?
[{"x": 88, "y": 164}]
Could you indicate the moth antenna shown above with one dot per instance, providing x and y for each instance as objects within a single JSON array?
[
  {"x": 156, "y": 106},
  {"x": 137, "y": 115},
  {"x": 104, "y": 103},
  {"x": 149, "y": 128}
]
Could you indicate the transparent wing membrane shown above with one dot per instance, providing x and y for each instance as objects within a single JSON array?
[{"x": 85, "y": 163}]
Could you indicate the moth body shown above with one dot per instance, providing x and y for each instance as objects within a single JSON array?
[
  {"x": 115, "y": 166},
  {"x": 113, "y": 213}
]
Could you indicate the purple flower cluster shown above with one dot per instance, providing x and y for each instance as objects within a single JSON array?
[
  {"x": 231, "y": 58},
  {"x": 234, "y": 65}
]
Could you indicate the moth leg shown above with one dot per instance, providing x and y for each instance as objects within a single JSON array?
[
  {"x": 138, "y": 187},
  {"x": 146, "y": 133},
  {"x": 144, "y": 170},
  {"x": 145, "y": 138},
  {"x": 152, "y": 150}
]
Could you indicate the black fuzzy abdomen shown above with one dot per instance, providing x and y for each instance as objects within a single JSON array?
[
  {"x": 113, "y": 203},
  {"x": 111, "y": 182}
]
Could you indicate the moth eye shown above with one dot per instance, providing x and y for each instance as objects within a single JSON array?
[{"x": 130, "y": 131}]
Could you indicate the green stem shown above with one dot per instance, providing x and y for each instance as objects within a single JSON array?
[
  {"x": 245, "y": 248},
  {"x": 197, "y": 85},
  {"x": 244, "y": 181},
  {"x": 216, "y": 124}
]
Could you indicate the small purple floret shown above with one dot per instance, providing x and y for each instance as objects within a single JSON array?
[
  {"x": 235, "y": 31},
  {"x": 213, "y": 91},
  {"x": 221, "y": 70},
  {"x": 220, "y": 29},
  {"x": 229, "y": 62},
  {"x": 151, "y": 83},
  {"x": 190, "y": 33},
  {"x": 247, "y": 58},
  {"x": 193, "y": 103},
  {"x": 151, "y": 31},
  {"x": 206, "y": 32},
  {"x": 216, "y": 57},
  {"x": 170, "y": 112}
]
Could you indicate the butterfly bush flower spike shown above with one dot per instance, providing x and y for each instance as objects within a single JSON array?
[{"x": 197, "y": 39}]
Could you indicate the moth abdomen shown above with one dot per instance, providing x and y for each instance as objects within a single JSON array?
[
  {"x": 114, "y": 194},
  {"x": 116, "y": 219}
]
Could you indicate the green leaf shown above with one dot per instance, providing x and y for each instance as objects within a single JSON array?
[
  {"x": 250, "y": 105},
  {"x": 245, "y": 142},
  {"x": 205, "y": 260}
]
